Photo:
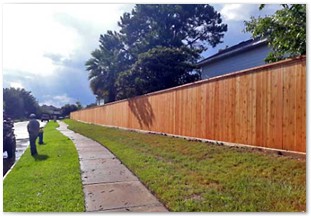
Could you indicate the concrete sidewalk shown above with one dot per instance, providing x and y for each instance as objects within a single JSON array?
[{"x": 108, "y": 185}]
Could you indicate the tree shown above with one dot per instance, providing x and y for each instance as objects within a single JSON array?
[
  {"x": 19, "y": 103},
  {"x": 171, "y": 25},
  {"x": 91, "y": 105},
  {"x": 285, "y": 31},
  {"x": 105, "y": 65},
  {"x": 68, "y": 108},
  {"x": 147, "y": 27},
  {"x": 157, "y": 69},
  {"x": 79, "y": 105}
]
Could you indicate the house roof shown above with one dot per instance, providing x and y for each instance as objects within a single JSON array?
[{"x": 235, "y": 49}]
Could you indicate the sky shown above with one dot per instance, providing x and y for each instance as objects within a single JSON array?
[{"x": 45, "y": 46}]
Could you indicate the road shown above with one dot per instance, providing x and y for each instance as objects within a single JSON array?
[{"x": 22, "y": 142}]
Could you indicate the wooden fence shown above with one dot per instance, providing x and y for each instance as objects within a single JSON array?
[{"x": 263, "y": 106}]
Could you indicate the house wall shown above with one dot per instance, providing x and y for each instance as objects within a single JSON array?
[
  {"x": 263, "y": 106},
  {"x": 244, "y": 60}
]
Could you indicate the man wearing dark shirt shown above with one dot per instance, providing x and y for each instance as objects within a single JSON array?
[{"x": 33, "y": 130}]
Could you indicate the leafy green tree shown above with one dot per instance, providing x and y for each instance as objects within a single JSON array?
[
  {"x": 79, "y": 105},
  {"x": 171, "y": 25},
  {"x": 157, "y": 69},
  {"x": 91, "y": 105},
  {"x": 68, "y": 108},
  {"x": 147, "y": 27},
  {"x": 285, "y": 31},
  {"x": 19, "y": 103}
]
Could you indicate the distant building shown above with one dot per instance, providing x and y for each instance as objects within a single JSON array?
[
  {"x": 56, "y": 113},
  {"x": 100, "y": 101},
  {"x": 51, "y": 110},
  {"x": 247, "y": 54},
  {"x": 48, "y": 109}
]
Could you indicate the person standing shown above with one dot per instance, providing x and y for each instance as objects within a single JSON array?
[
  {"x": 33, "y": 130},
  {"x": 40, "y": 135}
]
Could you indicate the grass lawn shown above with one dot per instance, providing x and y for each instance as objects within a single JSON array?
[
  {"x": 196, "y": 176},
  {"x": 50, "y": 182}
]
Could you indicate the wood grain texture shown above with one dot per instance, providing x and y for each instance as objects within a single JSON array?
[{"x": 263, "y": 106}]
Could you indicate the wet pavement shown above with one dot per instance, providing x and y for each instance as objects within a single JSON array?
[
  {"x": 22, "y": 142},
  {"x": 108, "y": 185}
]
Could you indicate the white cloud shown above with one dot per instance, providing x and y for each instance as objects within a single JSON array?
[
  {"x": 16, "y": 85},
  {"x": 28, "y": 32},
  {"x": 235, "y": 12},
  {"x": 241, "y": 12},
  {"x": 31, "y": 31},
  {"x": 45, "y": 47},
  {"x": 58, "y": 100}
]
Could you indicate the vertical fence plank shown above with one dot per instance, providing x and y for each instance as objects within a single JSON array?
[
  {"x": 299, "y": 106},
  {"x": 208, "y": 111},
  {"x": 303, "y": 104},
  {"x": 221, "y": 113},
  {"x": 264, "y": 108},
  {"x": 193, "y": 107},
  {"x": 216, "y": 111},
  {"x": 269, "y": 124},
  {"x": 225, "y": 110},
  {"x": 238, "y": 118},
  {"x": 293, "y": 95},
  {"x": 279, "y": 108},
  {"x": 232, "y": 108},
  {"x": 288, "y": 115},
  {"x": 274, "y": 90},
  {"x": 211, "y": 110},
  {"x": 203, "y": 116},
  {"x": 180, "y": 101},
  {"x": 198, "y": 130},
  {"x": 247, "y": 121},
  {"x": 252, "y": 140}
]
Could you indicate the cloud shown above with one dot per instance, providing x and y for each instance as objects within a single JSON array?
[
  {"x": 241, "y": 12},
  {"x": 56, "y": 58},
  {"x": 233, "y": 12},
  {"x": 16, "y": 85},
  {"x": 70, "y": 79},
  {"x": 28, "y": 32},
  {"x": 91, "y": 20},
  {"x": 45, "y": 47},
  {"x": 32, "y": 32},
  {"x": 58, "y": 100}
]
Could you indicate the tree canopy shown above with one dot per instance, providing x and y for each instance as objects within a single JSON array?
[
  {"x": 68, "y": 108},
  {"x": 171, "y": 67},
  {"x": 19, "y": 103},
  {"x": 152, "y": 40},
  {"x": 285, "y": 31}
]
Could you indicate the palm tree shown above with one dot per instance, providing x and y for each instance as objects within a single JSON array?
[{"x": 103, "y": 66}]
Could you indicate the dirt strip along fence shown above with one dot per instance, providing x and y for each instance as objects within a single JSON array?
[{"x": 263, "y": 106}]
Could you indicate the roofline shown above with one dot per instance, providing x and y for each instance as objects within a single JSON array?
[{"x": 219, "y": 56}]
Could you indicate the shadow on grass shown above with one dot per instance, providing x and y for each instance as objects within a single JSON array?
[{"x": 40, "y": 157}]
